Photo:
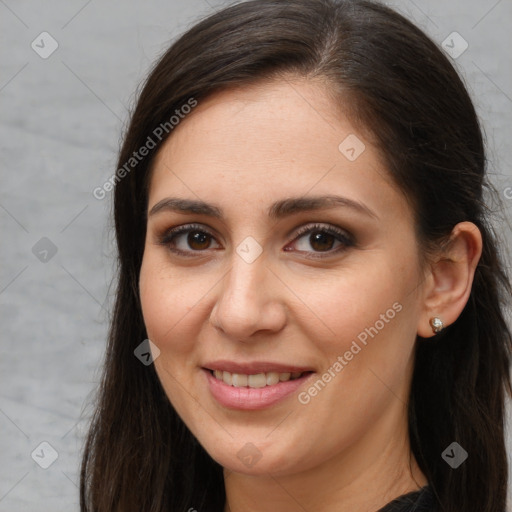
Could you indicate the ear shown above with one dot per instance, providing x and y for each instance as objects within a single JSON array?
[{"x": 450, "y": 277}]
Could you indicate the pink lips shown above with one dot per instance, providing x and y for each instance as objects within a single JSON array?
[{"x": 246, "y": 398}]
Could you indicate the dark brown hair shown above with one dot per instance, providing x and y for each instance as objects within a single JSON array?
[{"x": 139, "y": 455}]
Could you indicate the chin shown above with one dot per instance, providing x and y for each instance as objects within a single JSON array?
[{"x": 251, "y": 458}]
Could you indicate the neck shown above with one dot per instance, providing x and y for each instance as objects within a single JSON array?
[{"x": 360, "y": 479}]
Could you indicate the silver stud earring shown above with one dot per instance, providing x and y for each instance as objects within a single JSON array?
[{"x": 437, "y": 324}]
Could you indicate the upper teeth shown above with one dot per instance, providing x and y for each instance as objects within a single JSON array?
[{"x": 259, "y": 380}]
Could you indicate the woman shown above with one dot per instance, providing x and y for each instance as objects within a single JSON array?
[{"x": 302, "y": 236}]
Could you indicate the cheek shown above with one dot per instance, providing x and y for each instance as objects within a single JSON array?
[
  {"x": 366, "y": 348},
  {"x": 365, "y": 314},
  {"x": 345, "y": 304},
  {"x": 168, "y": 310},
  {"x": 167, "y": 302}
]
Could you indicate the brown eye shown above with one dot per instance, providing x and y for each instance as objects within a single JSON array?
[
  {"x": 321, "y": 241},
  {"x": 187, "y": 240},
  {"x": 318, "y": 239},
  {"x": 198, "y": 240}
]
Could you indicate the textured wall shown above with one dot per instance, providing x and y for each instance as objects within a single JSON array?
[{"x": 61, "y": 118}]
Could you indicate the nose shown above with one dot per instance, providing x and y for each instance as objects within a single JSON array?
[{"x": 250, "y": 299}]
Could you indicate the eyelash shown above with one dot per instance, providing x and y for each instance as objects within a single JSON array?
[{"x": 168, "y": 237}]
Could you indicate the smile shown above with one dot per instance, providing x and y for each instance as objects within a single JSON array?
[
  {"x": 258, "y": 380},
  {"x": 253, "y": 391}
]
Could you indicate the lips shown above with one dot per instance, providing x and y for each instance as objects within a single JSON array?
[{"x": 254, "y": 385}]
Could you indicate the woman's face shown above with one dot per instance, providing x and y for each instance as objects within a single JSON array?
[{"x": 285, "y": 321}]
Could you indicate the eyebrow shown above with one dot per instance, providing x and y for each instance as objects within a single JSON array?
[{"x": 278, "y": 210}]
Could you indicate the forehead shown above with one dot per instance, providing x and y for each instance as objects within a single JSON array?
[{"x": 251, "y": 145}]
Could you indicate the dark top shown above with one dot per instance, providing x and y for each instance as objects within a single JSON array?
[{"x": 416, "y": 501}]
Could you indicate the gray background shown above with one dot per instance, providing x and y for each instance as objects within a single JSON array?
[{"x": 61, "y": 121}]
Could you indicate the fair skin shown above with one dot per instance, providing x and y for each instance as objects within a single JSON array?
[{"x": 347, "y": 448}]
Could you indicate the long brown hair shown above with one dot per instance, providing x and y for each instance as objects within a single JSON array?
[{"x": 139, "y": 455}]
